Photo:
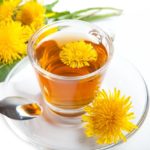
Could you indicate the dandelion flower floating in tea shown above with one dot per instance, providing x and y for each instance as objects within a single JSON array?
[
  {"x": 13, "y": 38},
  {"x": 78, "y": 54},
  {"x": 108, "y": 117}
]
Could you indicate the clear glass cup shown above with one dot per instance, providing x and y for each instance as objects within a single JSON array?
[{"x": 67, "y": 95}]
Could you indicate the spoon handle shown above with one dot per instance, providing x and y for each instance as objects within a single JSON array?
[{"x": 2, "y": 106}]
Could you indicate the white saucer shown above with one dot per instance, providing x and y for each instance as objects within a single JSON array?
[{"x": 49, "y": 134}]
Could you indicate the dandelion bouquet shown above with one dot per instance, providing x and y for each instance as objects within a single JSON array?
[{"x": 20, "y": 19}]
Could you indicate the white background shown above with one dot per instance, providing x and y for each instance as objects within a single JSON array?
[{"x": 132, "y": 41}]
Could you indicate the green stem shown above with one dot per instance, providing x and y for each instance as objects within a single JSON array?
[
  {"x": 60, "y": 14},
  {"x": 96, "y": 17},
  {"x": 97, "y": 8},
  {"x": 49, "y": 7},
  {"x": 89, "y": 14}
]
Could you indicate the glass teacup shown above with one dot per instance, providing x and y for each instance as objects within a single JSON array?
[{"x": 65, "y": 89}]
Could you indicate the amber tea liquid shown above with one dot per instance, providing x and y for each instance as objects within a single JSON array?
[{"x": 68, "y": 94}]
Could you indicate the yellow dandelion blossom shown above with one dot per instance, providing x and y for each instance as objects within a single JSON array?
[
  {"x": 13, "y": 38},
  {"x": 37, "y": 24},
  {"x": 7, "y": 9},
  {"x": 78, "y": 54},
  {"x": 32, "y": 13},
  {"x": 109, "y": 117}
]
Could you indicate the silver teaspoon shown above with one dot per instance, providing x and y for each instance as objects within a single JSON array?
[{"x": 19, "y": 108}]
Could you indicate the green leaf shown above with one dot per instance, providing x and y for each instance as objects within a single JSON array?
[
  {"x": 60, "y": 15},
  {"x": 98, "y": 17},
  {"x": 96, "y": 13},
  {"x": 98, "y": 9},
  {"x": 5, "y": 69},
  {"x": 89, "y": 14},
  {"x": 1, "y": 1},
  {"x": 49, "y": 7}
]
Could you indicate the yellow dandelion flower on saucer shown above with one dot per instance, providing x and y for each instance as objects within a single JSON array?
[
  {"x": 109, "y": 117},
  {"x": 32, "y": 13},
  {"x": 7, "y": 9},
  {"x": 78, "y": 54},
  {"x": 13, "y": 38}
]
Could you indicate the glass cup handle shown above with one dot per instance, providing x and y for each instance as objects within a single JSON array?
[
  {"x": 112, "y": 36},
  {"x": 99, "y": 35}
]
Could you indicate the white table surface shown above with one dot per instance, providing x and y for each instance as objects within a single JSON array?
[{"x": 132, "y": 31}]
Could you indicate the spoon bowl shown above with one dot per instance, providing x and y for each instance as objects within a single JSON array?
[{"x": 20, "y": 108}]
